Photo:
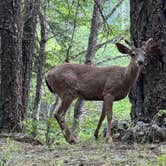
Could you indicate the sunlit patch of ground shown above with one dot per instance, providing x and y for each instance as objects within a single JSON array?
[{"x": 89, "y": 153}]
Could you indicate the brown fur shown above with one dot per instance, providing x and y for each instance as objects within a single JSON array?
[{"x": 90, "y": 82}]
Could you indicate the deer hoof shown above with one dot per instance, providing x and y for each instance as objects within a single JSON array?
[
  {"x": 96, "y": 135},
  {"x": 72, "y": 140}
]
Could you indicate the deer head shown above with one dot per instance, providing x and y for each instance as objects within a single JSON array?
[{"x": 136, "y": 53}]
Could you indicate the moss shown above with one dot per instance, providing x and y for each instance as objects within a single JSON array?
[{"x": 162, "y": 113}]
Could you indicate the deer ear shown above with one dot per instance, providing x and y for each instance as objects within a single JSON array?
[{"x": 123, "y": 49}]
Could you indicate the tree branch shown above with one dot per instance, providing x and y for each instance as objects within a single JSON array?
[
  {"x": 111, "y": 59},
  {"x": 113, "y": 10},
  {"x": 113, "y": 40},
  {"x": 73, "y": 32}
]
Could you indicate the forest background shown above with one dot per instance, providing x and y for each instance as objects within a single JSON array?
[{"x": 37, "y": 35}]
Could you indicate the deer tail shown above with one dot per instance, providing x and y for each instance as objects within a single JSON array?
[{"x": 49, "y": 87}]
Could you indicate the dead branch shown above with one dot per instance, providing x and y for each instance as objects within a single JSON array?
[
  {"x": 73, "y": 33},
  {"x": 21, "y": 138},
  {"x": 113, "y": 10},
  {"x": 111, "y": 59}
]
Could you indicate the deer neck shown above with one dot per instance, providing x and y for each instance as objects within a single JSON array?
[{"x": 131, "y": 73}]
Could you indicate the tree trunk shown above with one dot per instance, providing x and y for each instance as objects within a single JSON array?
[
  {"x": 95, "y": 26},
  {"x": 123, "y": 16},
  {"x": 77, "y": 114},
  {"x": 40, "y": 65},
  {"x": 11, "y": 108},
  {"x": 28, "y": 42},
  {"x": 148, "y": 19}
]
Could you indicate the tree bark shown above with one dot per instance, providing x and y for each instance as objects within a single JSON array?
[
  {"x": 17, "y": 47},
  {"x": 148, "y": 19},
  {"x": 95, "y": 26},
  {"x": 11, "y": 108},
  {"x": 28, "y": 42}
]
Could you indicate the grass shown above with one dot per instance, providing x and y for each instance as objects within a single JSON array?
[{"x": 90, "y": 153}]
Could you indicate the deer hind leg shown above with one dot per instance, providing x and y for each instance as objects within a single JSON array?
[
  {"x": 108, "y": 104},
  {"x": 60, "y": 117},
  {"x": 102, "y": 117}
]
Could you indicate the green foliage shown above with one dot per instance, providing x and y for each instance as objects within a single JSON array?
[
  {"x": 53, "y": 133},
  {"x": 122, "y": 109},
  {"x": 162, "y": 159},
  {"x": 61, "y": 17},
  {"x": 162, "y": 113},
  {"x": 48, "y": 131}
]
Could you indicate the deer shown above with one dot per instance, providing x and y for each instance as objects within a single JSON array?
[{"x": 88, "y": 82}]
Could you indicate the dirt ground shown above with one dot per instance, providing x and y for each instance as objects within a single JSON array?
[{"x": 87, "y": 153}]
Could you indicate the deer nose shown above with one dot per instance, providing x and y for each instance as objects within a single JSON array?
[{"x": 140, "y": 62}]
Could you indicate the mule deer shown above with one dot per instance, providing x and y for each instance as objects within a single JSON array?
[{"x": 107, "y": 84}]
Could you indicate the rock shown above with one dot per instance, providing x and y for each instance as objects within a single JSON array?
[
  {"x": 157, "y": 132},
  {"x": 128, "y": 136},
  {"x": 117, "y": 129},
  {"x": 141, "y": 132}
]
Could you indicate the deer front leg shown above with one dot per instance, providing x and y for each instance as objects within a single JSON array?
[
  {"x": 108, "y": 104},
  {"x": 60, "y": 117},
  {"x": 102, "y": 117}
]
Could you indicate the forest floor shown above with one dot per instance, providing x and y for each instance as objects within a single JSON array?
[{"x": 87, "y": 153}]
